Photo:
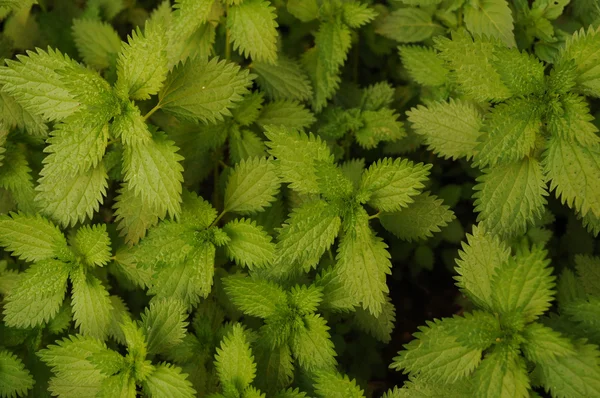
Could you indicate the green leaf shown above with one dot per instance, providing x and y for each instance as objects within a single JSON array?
[
  {"x": 130, "y": 126},
  {"x": 304, "y": 10},
  {"x": 336, "y": 297},
  {"x": 542, "y": 344},
  {"x": 436, "y": 355},
  {"x": 450, "y": 129},
  {"x": 189, "y": 17},
  {"x": 244, "y": 145},
  {"x": 76, "y": 145},
  {"x": 76, "y": 376},
  {"x": 97, "y": 42},
  {"x": 390, "y": 185},
  {"x": 583, "y": 49},
  {"x": 588, "y": 270},
  {"x": 134, "y": 215},
  {"x": 167, "y": 381},
  {"x": 135, "y": 339},
  {"x": 121, "y": 385},
  {"x": 274, "y": 366},
  {"x": 378, "y": 126},
  {"x": 284, "y": 80},
  {"x": 305, "y": 299},
  {"x": 291, "y": 393},
  {"x": 424, "y": 65},
  {"x": 522, "y": 73},
  {"x": 377, "y": 96},
  {"x": 472, "y": 66},
  {"x": 307, "y": 234},
  {"x": 91, "y": 305},
  {"x": 477, "y": 329},
  {"x": 14, "y": 115},
  {"x": 34, "y": 76},
  {"x": 363, "y": 263},
  {"x": 254, "y": 297},
  {"x": 381, "y": 326},
  {"x": 287, "y": 113},
  {"x": 407, "y": 25},
  {"x": 234, "y": 362},
  {"x": 502, "y": 374},
  {"x": 491, "y": 18},
  {"x": 253, "y": 29},
  {"x": 252, "y": 186},
  {"x": 336, "y": 385},
  {"x": 419, "y": 220},
  {"x": 31, "y": 238},
  {"x": 249, "y": 109},
  {"x": 92, "y": 244},
  {"x": 204, "y": 90},
  {"x": 15, "y": 380},
  {"x": 38, "y": 295},
  {"x": 571, "y": 120},
  {"x": 142, "y": 63},
  {"x": 153, "y": 171},
  {"x": 297, "y": 157},
  {"x": 69, "y": 199},
  {"x": 510, "y": 197},
  {"x": 356, "y": 15},
  {"x": 250, "y": 245},
  {"x": 15, "y": 176},
  {"x": 575, "y": 375},
  {"x": 164, "y": 322},
  {"x": 573, "y": 169},
  {"x": 311, "y": 344},
  {"x": 524, "y": 285},
  {"x": 480, "y": 256},
  {"x": 512, "y": 132}
]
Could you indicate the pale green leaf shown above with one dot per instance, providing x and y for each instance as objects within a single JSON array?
[
  {"x": 572, "y": 121},
  {"x": 297, "y": 156},
  {"x": 76, "y": 145},
  {"x": 121, "y": 385},
  {"x": 437, "y": 355},
  {"x": 153, "y": 171},
  {"x": 450, "y": 129},
  {"x": 130, "y": 127},
  {"x": 92, "y": 244},
  {"x": 249, "y": 244},
  {"x": 204, "y": 90},
  {"x": 378, "y": 126},
  {"x": 14, "y": 115},
  {"x": 69, "y": 199},
  {"x": 133, "y": 215},
  {"x": 407, "y": 25},
  {"x": 363, "y": 263},
  {"x": 542, "y": 344},
  {"x": 168, "y": 381},
  {"x": 142, "y": 63},
  {"x": 38, "y": 295},
  {"x": 575, "y": 375},
  {"x": 75, "y": 376},
  {"x": 479, "y": 258},
  {"x": 381, "y": 326},
  {"x": 252, "y": 186},
  {"x": 502, "y": 374},
  {"x": 472, "y": 66},
  {"x": 254, "y": 297},
  {"x": 524, "y": 285},
  {"x": 390, "y": 185},
  {"x": 234, "y": 362},
  {"x": 419, "y": 220},
  {"x": 491, "y": 18},
  {"x": 510, "y": 197},
  {"x": 336, "y": 385},
  {"x": 91, "y": 305},
  {"x": 164, "y": 322},
  {"x": 287, "y": 113},
  {"x": 97, "y": 42},
  {"x": 305, "y": 299},
  {"x": 583, "y": 48},
  {"x": 252, "y": 27},
  {"x": 33, "y": 77},
  {"x": 284, "y": 80},
  {"x": 15, "y": 380},
  {"x": 31, "y": 238},
  {"x": 311, "y": 344},
  {"x": 307, "y": 234},
  {"x": 356, "y": 15},
  {"x": 573, "y": 171},
  {"x": 522, "y": 73},
  {"x": 424, "y": 65}
]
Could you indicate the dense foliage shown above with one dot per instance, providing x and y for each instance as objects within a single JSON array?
[{"x": 254, "y": 198}]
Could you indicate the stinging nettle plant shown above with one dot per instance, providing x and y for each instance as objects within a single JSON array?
[{"x": 265, "y": 198}]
